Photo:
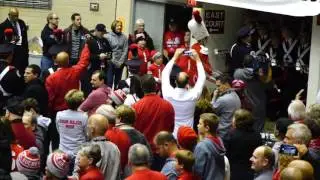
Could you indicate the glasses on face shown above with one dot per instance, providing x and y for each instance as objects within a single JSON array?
[{"x": 55, "y": 18}]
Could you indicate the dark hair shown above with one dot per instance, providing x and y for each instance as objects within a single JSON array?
[
  {"x": 164, "y": 137},
  {"x": 282, "y": 125},
  {"x": 183, "y": 81},
  {"x": 211, "y": 120},
  {"x": 243, "y": 119},
  {"x": 148, "y": 84},
  {"x": 31, "y": 103},
  {"x": 73, "y": 16},
  {"x": 102, "y": 75},
  {"x": 224, "y": 78},
  {"x": 135, "y": 86},
  {"x": 248, "y": 61},
  {"x": 35, "y": 69}
]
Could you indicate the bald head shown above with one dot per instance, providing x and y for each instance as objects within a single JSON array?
[
  {"x": 305, "y": 167},
  {"x": 13, "y": 14},
  {"x": 291, "y": 173},
  {"x": 97, "y": 125},
  {"x": 182, "y": 80},
  {"x": 62, "y": 59}
]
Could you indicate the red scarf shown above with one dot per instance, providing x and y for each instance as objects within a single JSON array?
[{"x": 215, "y": 140}]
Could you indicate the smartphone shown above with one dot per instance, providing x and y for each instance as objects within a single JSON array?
[
  {"x": 288, "y": 150},
  {"x": 287, "y": 153},
  {"x": 187, "y": 53}
]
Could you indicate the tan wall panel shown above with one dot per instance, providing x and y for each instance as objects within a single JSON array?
[{"x": 36, "y": 18}]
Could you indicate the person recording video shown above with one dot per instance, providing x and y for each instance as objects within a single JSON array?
[{"x": 256, "y": 74}]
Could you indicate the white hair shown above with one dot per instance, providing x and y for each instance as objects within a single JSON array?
[
  {"x": 139, "y": 155},
  {"x": 107, "y": 111},
  {"x": 297, "y": 110},
  {"x": 301, "y": 133},
  {"x": 139, "y": 21}
]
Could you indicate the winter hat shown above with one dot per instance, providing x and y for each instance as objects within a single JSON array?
[
  {"x": 197, "y": 27},
  {"x": 186, "y": 136},
  {"x": 245, "y": 31},
  {"x": 155, "y": 54},
  {"x": 28, "y": 161},
  {"x": 118, "y": 96},
  {"x": 140, "y": 36},
  {"x": 238, "y": 84},
  {"x": 58, "y": 164}
]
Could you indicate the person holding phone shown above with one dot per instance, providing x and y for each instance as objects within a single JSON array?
[{"x": 262, "y": 162}]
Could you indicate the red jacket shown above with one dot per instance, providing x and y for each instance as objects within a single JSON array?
[
  {"x": 22, "y": 136},
  {"x": 189, "y": 66},
  {"x": 122, "y": 140},
  {"x": 156, "y": 70},
  {"x": 153, "y": 115},
  {"x": 171, "y": 41},
  {"x": 146, "y": 174},
  {"x": 144, "y": 56},
  {"x": 65, "y": 79},
  {"x": 92, "y": 173}
]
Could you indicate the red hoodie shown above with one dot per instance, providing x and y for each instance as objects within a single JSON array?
[
  {"x": 92, "y": 173},
  {"x": 144, "y": 57}
]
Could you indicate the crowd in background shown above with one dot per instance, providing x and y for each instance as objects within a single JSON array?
[{"x": 76, "y": 118}]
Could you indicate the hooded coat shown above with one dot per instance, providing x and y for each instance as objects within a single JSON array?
[{"x": 209, "y": 159}]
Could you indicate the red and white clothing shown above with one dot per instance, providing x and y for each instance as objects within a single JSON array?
[
  {"x": 171, "y": 41},
  {"x": 156, "y": 70},
  {"x": 91, "y": 173},
  {"x": 144, "y": 56},
  {"x": 189, "y": 66}
]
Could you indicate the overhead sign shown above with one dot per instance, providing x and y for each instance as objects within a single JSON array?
[{"x": 214, "y": 20}]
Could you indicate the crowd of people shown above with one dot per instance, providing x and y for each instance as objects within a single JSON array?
[{"x": 75, "y": 118}]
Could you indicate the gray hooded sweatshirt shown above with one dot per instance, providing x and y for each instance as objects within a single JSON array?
[
  {"x": 209, "y": 160},
  {"x": 255, "y": 92}
]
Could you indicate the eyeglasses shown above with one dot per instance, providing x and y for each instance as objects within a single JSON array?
[{"x": 55, "y": 18}]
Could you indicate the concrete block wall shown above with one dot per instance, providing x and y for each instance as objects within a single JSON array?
[{"x": 36, "y": 18}]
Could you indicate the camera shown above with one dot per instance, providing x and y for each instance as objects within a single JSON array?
[
  {"x": 288, "y": 150},
  {"x": 187, "y": 53},
  {"x": 260, "y": 62}
]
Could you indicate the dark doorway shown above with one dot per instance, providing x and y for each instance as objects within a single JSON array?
[{"x": 181, "y": 14}]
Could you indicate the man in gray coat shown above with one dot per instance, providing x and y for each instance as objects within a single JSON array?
[{"x": 110, "y": 154}]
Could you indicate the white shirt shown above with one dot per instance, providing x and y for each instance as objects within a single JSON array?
[
  {"x": 183, "y": 100},
  {"x": 131, "y": 99}
]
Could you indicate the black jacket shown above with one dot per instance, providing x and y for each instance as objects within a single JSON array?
[
  {"x": 237, "y": 55},
  {"x": 12, "y": 83},
  {"x": 36, "y": 89},
  {"x": 239, "y": 150},
  {"x": 48, "y": 40},
  {"x": 96, "y": 47},
  {"x": 7, "y": 24}
]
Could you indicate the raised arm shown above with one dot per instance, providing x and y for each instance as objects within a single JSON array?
[
  {"x": 165, "y": 85},
  {"x": 197, "y": 89}
]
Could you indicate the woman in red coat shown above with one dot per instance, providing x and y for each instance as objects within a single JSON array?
[{"x": 89, "y": 156}]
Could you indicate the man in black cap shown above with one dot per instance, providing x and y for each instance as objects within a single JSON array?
[
  {"x": 241, "y": 48},
  {"x": 53, "y": 51},
  {"x": 100, "y": 51},
  {"x": 11, "y": 83}
]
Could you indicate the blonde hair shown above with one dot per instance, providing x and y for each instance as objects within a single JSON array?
[
  {"x": 297, "y": 110},
  {"x": 74, "y": 98},
  {"x": 126, "y": 114}
]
